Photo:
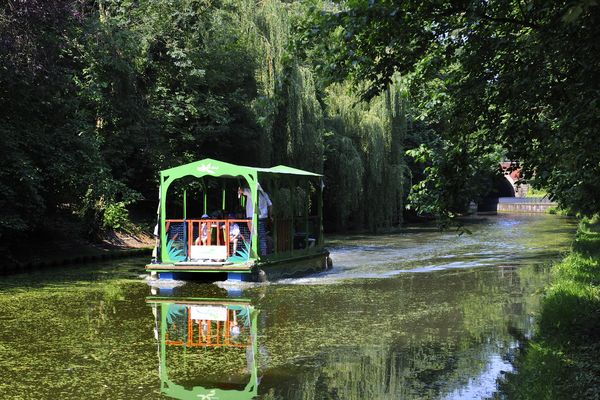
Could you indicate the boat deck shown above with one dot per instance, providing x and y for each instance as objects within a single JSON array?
[{"x": 208, "y": 266}]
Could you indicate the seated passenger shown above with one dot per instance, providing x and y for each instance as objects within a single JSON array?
[
  {"x": 234, "y": 234},
  {"x": 203, "y": 237}
]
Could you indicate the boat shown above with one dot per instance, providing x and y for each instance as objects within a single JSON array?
[{"x": 212, "y": 219}]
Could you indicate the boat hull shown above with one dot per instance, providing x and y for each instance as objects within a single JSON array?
[{"x": 258, "y": 271}]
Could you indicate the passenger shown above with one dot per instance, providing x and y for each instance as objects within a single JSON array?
[
  {"x": 234, "y": 329},
  {"x": 234, "y": 233},
  {"x": 217, "y": 234},
  {"x": 265, "y": 213},
  {"x": 203, "y": 237}
]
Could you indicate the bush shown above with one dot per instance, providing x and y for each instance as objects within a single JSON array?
[
  {"x": 560, "y": 211},
  {"x": 116, "y": 217}
]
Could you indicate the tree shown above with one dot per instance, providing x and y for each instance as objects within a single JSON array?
[
  {"x": 365, "y": 165},
  {"x": 524, "y": 76},
  {"x": 47, "y": 161}
]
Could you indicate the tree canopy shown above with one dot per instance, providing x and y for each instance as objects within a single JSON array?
[
  {"x": 521, "y": 75},
  {"x": 97, "y": 97}
]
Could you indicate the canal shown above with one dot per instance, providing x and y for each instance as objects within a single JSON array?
[{"x": 418, "y": 314}]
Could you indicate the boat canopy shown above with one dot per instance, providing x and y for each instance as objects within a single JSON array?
[{"x": 212, "y": 167}]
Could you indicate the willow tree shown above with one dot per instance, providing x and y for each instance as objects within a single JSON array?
[
  {"x": 364, "y": 157},
  {"x": 286, "y": 104},
  {"x": 298, "y": 139},
  {"x": 266, "y": 28}
]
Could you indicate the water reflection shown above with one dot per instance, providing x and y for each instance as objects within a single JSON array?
[{"x": 207, "y": 347}]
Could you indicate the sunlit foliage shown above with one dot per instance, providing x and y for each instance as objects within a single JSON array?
[{"x": 520, "y": 75}]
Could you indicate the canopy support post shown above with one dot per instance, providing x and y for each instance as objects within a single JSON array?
[
  {"x": 185, "y": 227},
  {"x": 223, "y": 199}
]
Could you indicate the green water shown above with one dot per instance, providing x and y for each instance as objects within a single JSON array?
[{"x": 420, "y": 314}]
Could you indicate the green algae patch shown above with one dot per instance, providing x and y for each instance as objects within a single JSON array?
[
  {"x": 72, "y": 338},
  {"x": 209, "y": 367}
]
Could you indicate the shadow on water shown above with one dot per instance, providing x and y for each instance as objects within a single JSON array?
[{"x": 409, "y": 315}]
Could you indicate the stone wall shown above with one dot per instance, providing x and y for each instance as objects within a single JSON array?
[{"x": 524, "y": 204}]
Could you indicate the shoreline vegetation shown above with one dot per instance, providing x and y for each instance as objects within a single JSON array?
[
  {"x": 562, "y": 360},
  {"x": 62, "y": 251}
]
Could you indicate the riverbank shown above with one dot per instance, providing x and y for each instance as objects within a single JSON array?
[
  {"x": 55, "y": 251},
  {"x": 563, "y": 358}
]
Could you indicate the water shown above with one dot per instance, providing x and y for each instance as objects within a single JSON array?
[{"x": 420, "y": 314}]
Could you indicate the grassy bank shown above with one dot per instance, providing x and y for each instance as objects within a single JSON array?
[{"x": 563, "y": 359}]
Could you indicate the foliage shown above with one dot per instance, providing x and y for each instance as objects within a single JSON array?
[
  {"x": 357, "y": 146},
  {"x": 344, "y": 170},
  {"x": 519, "y": 75},
  {"x": 534, "y": 192},
  {"x": 97, "y": 97},
  {"x": 39, "y": 129},
  {"x": 364, "y": 162},
  {"x": 116, "y": 217},
  {"x": 298, "y": 141},
  {"x": 454, "y": 175},
  {"x": 560, "y": 211},
  {"x": 184, "y": 80}
]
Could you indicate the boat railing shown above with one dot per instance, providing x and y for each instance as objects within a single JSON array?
[
  {"x": 231, "y": 239},
  {"x": 215, "y": 239},
  {"x": 296, "y": 233},
  {"x": 208, "y": 333}
]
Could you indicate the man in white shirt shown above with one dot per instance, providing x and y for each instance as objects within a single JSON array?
[{"x": 265, "y": 207}]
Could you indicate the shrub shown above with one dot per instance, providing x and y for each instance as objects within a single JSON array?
[{"x": 116, "y": 217}]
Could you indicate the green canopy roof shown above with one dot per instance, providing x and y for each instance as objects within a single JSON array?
[
  {"x": 212, "y": 167},
  {"x": 284, "y": 169}
]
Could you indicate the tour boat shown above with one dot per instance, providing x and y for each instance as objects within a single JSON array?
[{"x": 250, "y": 223}]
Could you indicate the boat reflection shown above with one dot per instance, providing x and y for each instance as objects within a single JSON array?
[{"x": 207, "y": 347}]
